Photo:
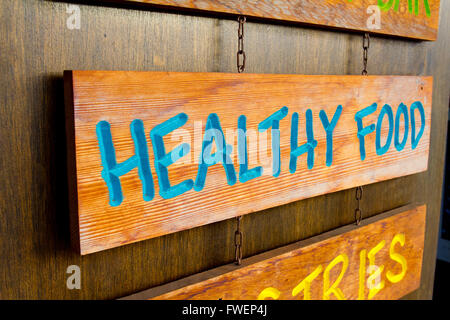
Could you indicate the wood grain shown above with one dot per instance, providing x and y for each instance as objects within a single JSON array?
[
  {"x": 34, "y": 210},
  {"x": 285, "y": 268},
  {"x": 121, "y": 97},
  {"x": 342, "y": 14}
]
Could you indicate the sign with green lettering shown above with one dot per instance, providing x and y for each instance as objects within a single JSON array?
[{"x": 405, "y": 18}]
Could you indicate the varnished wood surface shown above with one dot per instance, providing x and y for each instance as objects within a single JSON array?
[
  {"x": 281, "y": 270},
  {"x": 154, "y": 97},
  {"x": 344, "y": 14},
  {"x": 37, "y": 46}
]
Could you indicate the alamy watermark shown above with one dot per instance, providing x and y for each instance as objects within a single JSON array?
[
  {"x": 73, "y": 22},
  {"x": 74, "y": 280},
  {"x": 374, "y": 20}
]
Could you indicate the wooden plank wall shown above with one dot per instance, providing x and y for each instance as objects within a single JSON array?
[{"x": 36, "y": 48}]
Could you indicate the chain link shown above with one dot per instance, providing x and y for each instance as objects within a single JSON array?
[
  {"x": 358, "y": 212},
  {"x": 241, "y": 53},
  {"x": 238, "y": 241},
  {"x": 366, "y": 45},
  {"x": 240, "y": 61}
]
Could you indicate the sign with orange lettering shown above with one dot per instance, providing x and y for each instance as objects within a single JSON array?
[
  {"x": 380, "y": 259},
  {"x": 152, "y": 153},
  {"x": 406, "y": 18}
]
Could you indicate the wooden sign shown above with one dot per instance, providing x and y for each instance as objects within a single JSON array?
[
  {"x": 381, "y": 259},
  {"x": 406, "y": 18},
  {"x": 152, "y": 153}
]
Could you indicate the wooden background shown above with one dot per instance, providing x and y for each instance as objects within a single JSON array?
[{"x": 36, "y": 48}]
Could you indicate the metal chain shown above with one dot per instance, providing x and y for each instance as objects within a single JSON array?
[
  {"x": 358, "y": 212},
  {"x": 238, "y": 241},
  {"x": 241, "y": 52},
  {"x": 359, "y": 190},
  {"x": 240, "y": 61},
  {"x": 366, "y": 45}
]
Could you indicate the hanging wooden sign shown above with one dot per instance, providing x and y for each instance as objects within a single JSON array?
[
  {"x": 151, "y": 153},
  {"x": 380, "y": 259},
  {"x": 406, "y": 18}
]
